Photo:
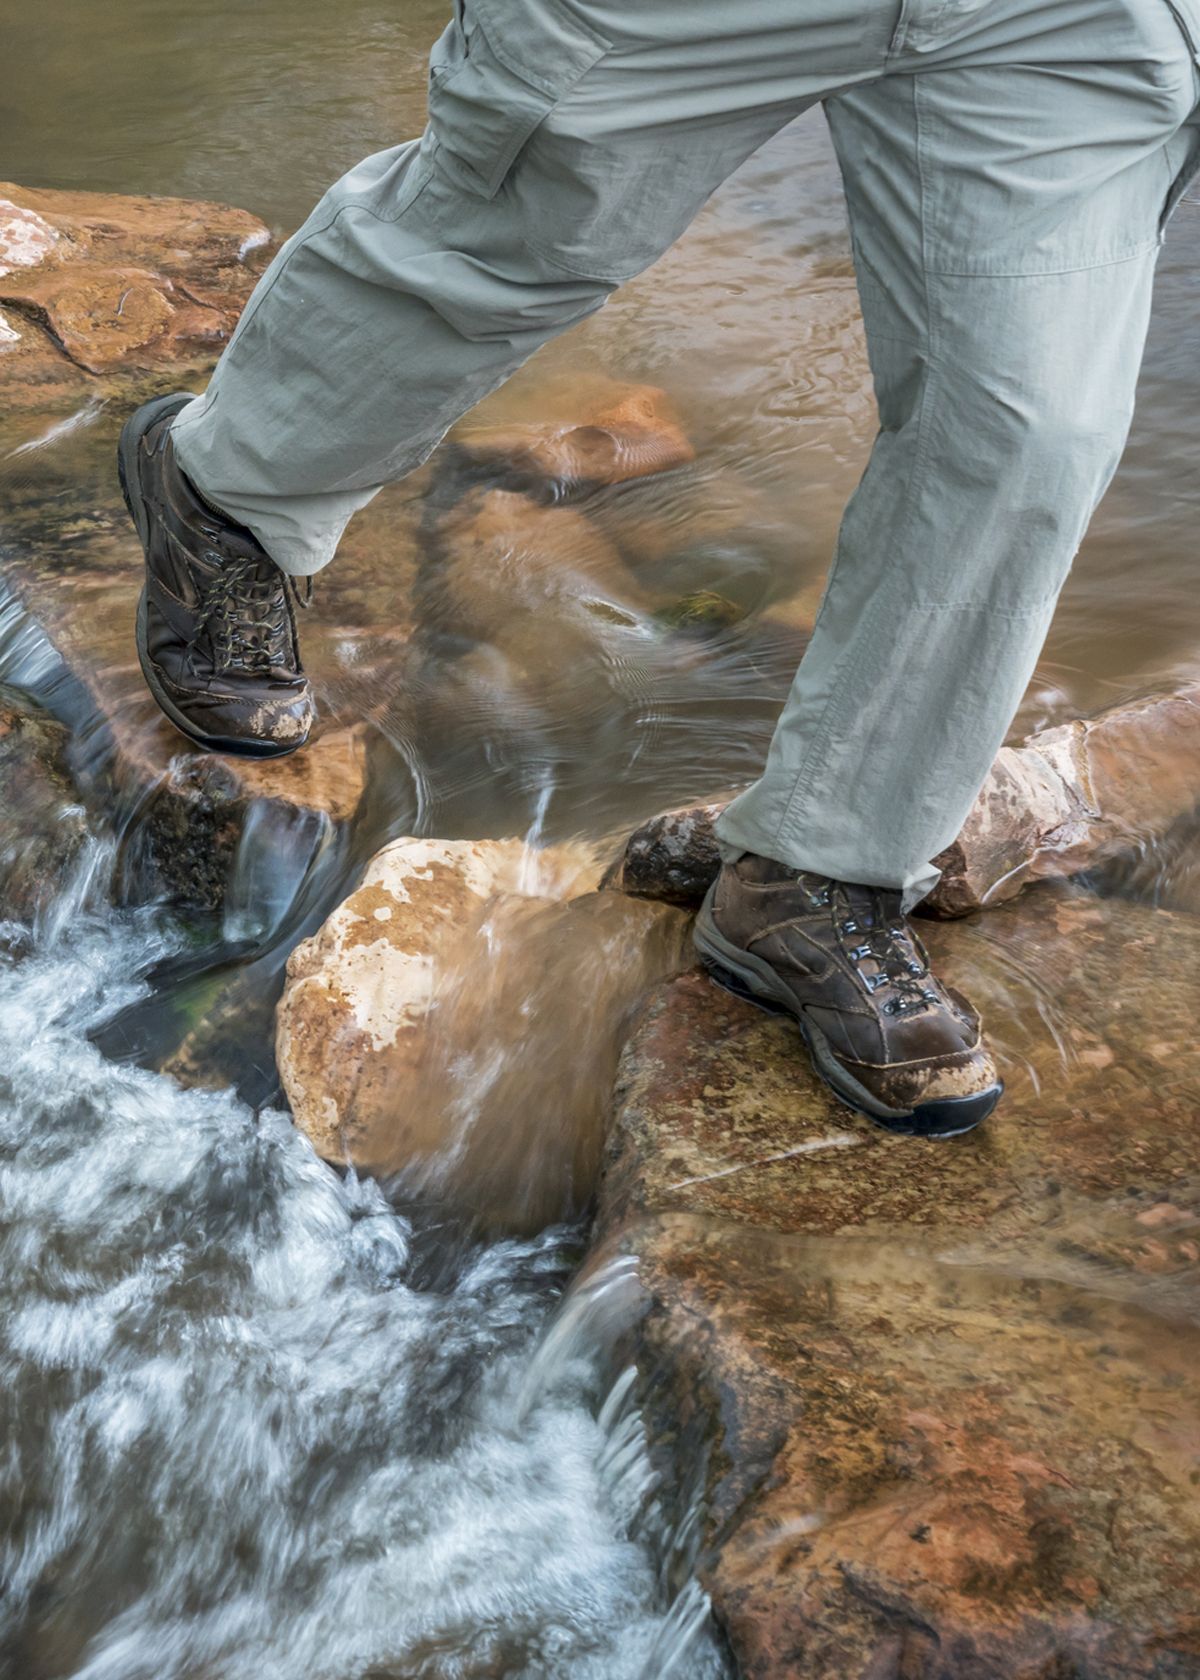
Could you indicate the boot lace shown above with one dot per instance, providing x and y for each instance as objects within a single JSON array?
[
  {"x": 872, "y": 931},
  {"x": 247, "y": 612}
]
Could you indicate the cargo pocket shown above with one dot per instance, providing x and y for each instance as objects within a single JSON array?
[
  {"x": 494, "y": 77},
  {"x": 1183, "y": 159},
  {"x": 1183, "y": 151}
]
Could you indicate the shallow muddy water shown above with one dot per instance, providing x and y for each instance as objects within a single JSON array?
[{"x": 256, "y": 1420}]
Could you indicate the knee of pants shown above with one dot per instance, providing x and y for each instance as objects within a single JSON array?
[
  {"x": 1033, "y": 386},
  {"x": 1000, "y": 498}
]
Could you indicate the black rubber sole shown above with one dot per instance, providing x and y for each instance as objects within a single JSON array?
[{"x": 132, "y": 433}]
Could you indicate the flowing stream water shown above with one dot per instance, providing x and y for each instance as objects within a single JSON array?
[{"x": 254, "y": 1420}]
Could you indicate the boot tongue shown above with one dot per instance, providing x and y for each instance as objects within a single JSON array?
[{"x": 767, "y": 872}]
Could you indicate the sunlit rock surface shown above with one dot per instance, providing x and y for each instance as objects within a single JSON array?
[
  {"x": 938, "y": 1400},
  {"x": 457, "y": 1020},
  {"x": 42, "y": 823},
  {"x": 94, "y": 284},
  {"x": 1069, "y": 799}
]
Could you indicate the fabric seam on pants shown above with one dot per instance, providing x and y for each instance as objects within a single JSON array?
[{"x": 806, "y": 771}]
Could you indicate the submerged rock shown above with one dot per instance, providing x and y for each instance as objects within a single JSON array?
[
  {"x": 935, "y": 1400},
  {"x": 509, "y": 572},
  {"x": 604, "y": 433},
  {"x": 42, "y": 823},
  {"x": 1069, "y": 799},
  {"x": 397, "y": 1029},
  {"x": 97, "y": 283}
]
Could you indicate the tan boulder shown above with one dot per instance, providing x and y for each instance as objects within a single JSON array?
[
  {"x": 929, "y": 1408},
  {"x": 1073, "y": 797},
  {"x": 456, "y": 1021}
]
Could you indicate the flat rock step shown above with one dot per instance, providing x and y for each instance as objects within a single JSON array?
[{"x": 936, "y": 1399}]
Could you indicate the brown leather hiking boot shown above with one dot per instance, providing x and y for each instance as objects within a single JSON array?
[
  {"x": 892, "y": 1041},
  {"x": 216, "y": 631}
]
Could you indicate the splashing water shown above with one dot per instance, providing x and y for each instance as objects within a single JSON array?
[{"x": 243, "y": 1433}]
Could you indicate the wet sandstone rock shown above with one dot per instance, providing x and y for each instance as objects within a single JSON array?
[
  {"x": 1073, "y": 797},
  {"x": 937, "y": 1401},
  {"x": 673, "y": 857},
  {"x": 42, "y": 823},
  {"x": 397, "y": 1031},
  {"x": 1069, "y": 799},
  {"x": 97, "y": 284},
  {"x": 197, "y": 814}
]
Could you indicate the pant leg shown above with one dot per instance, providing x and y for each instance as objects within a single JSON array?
[
  {"x": 1006, "y": 186},
  {"x": 569, "y": 143}
]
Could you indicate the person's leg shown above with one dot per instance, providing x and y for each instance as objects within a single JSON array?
[
  {"x": 1007, "y": 184},
  {"x": 569, "y": 143}
]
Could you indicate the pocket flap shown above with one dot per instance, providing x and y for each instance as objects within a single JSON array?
[{"x": 510, "y": 63}]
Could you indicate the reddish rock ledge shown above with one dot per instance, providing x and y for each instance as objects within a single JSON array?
[
  {"x": 928, "y": 1410},
  {"x": 97, "y": 284}
]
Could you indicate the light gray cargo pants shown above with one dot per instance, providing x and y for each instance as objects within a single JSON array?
[{"x": 1009, "y": 166}]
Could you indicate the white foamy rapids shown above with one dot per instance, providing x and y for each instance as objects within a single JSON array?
[{"x": 237, "y": 1439}]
